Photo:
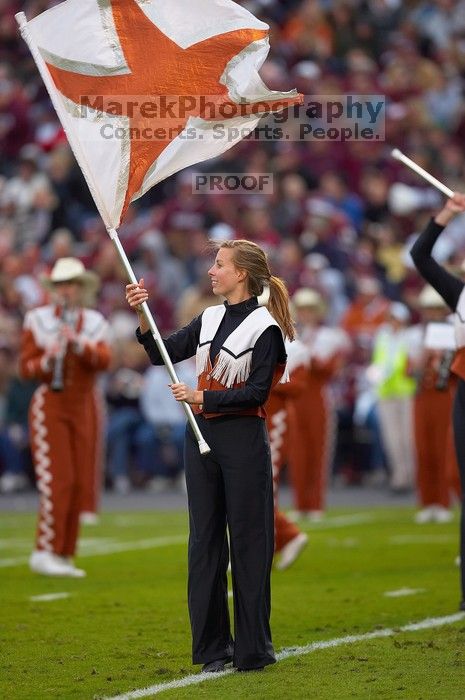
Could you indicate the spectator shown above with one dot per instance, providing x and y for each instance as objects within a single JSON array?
[
  {"x": 130, "y": 439},
  {"x": 27, "y": 199},
  {"x": 168, "y": 422},
  {"x": 15, "y": 456}
]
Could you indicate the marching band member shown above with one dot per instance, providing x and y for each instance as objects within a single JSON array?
[
  {"x": 311, "y": 414},
  {"x": 289, "y": 540},
  {"x": 430, "y": 365},
  {"x": 64, "y": 346}
]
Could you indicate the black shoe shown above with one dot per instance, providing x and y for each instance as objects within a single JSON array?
[
  {"x": 215, "y": 666},
  {"x": 246, "y": 670},
  {"x": 462, "y": 605}
]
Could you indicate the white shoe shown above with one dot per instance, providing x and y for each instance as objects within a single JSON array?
[
  {"x": 50, "y": 564},
  {"x": 425, "y": 515},
  {"x": 74, "y": 572},
  {"x": 441, "y": 514},
  {"x": 88, "y": 518},
  {"x": 292, "y": 550}
]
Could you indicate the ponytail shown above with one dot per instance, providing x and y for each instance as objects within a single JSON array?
[{"x": 278, "y": 306}]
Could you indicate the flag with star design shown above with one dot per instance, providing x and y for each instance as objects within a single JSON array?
[{"x": 145, "y": 88}]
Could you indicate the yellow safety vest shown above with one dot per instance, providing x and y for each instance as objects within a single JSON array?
[{"x": 392, "y": 358}]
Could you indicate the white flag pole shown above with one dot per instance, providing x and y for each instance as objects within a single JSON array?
[
  {"x": 203, "y": 446},
  {"x": 75, "y": 146},
  {"x": 398, "y": 155}
]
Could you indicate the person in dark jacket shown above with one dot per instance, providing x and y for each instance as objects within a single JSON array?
[
  {"x": 240, "y": 355},
  {"x": 451, "y": 290}
]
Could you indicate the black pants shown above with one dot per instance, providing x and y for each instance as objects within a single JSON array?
[
  {"x": 458, "y": 417},
  {"x": 230, "y": 487}
]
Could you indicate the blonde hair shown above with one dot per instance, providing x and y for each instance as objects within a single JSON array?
[{"x": 250, "y": 257}]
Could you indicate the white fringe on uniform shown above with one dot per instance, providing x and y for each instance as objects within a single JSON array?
[{"x": 233, "y": 362}]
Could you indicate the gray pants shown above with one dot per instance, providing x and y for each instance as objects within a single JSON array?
[{"x": 396, "y": 422}]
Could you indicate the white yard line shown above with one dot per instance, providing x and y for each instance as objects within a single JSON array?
[
  {"x": 138, "y": 519},
  {"x": 339, "y": 521},
  {"x": 401, "y": 592},
  {"x": 423, "y": 539},
  {"x": 97, "y": 549},
  {"x": 198, "y": 678},
  {"x": 347, "y": 542},
  {"x": 47, "y": 597},
  {"x": 15, "y": 544},
  {"x": 94, "y": 548},
  {"x": 151, "y": 543},
  {"x": 13, "y": 561},
  {"x": 89, "y": 542},
  {"x": 110, "y": 548}
]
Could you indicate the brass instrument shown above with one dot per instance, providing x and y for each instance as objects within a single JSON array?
[{"x": 57, "y": 383}]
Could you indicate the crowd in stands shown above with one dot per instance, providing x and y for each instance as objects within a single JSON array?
[{"x": 336, "y": 221}]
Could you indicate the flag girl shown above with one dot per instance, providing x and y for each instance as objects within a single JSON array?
[{"x": 240, "y": 355}]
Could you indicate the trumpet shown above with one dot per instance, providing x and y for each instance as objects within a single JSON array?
[{"x": 57, "y": 383}]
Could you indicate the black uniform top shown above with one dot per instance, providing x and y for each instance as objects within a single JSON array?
[
  {"x": 267, "y": 353},
  {"x": 447, "y": 285}
]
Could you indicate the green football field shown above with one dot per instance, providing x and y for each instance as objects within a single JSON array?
[{"x": 344, "y": 616}]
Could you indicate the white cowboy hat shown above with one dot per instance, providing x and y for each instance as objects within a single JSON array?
[
  {"x": 307, "y": 297},
  {"x": 72, "y": 270},
  {"x": 429, "y": 298}
]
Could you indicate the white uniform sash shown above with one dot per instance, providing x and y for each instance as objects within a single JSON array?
[{"x": 233, "y": 362}]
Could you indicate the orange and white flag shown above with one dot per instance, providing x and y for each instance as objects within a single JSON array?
[{"x": 145, "y": 88}]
